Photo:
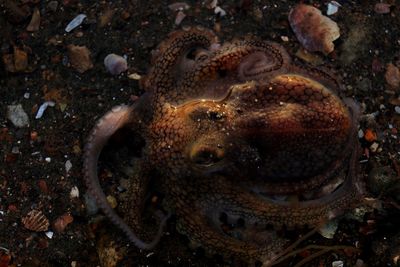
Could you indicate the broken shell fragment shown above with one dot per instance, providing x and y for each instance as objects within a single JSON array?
[
  {"x": 43, "y": 107},
  {"x": 314, "y": 31},
  {"x": 115, "y": 64},
  {"x": 179, "y": 6},
  {"x": 333, "y": 8},
  {"x": 75, "y": 22},
  {"x": 36, "y": 221},
  {"x": 180, "y": 16},
  {"x": 382, "y": 8},
  {"x": 35, "y": 21}
]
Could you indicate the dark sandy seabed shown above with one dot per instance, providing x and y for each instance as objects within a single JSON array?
[{"x": 33, "y": 159}]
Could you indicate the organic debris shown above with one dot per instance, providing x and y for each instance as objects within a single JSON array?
[{"x": 79, "y": 57}]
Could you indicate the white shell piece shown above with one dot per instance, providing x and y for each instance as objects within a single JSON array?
[{"x": 75, "y": 22}]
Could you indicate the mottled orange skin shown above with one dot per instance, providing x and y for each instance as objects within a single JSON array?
[{"x": 228, "y": 128}]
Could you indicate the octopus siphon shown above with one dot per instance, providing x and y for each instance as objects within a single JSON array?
[{"x": 234, "y": 132}]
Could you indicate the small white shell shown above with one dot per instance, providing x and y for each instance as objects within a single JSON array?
[
  {"x": 220, "y": 11},
  {"x": 68, "y": 166},
  {"x": 74, "y": 193},
  {"x": 35, "y": 221},
  {"x": 333, "y": 7},
  {"x": 180, "y": 16},
  {"x": 43, "y": 107},
  {"x": 115, "y": 64},
  {"x": 49, "y": 234},
  {"x": 75, "y": 22}
]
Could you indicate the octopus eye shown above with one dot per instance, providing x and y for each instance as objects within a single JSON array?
[
  {"x": 214, "y": 115},
  {"x": 206, "y": 155},
  {"x": 204, "y": 113}
]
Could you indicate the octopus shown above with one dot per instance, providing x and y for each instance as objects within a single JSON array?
[{"x": 235, "y": 134}]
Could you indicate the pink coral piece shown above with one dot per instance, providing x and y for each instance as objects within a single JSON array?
[{"x": 315, "y": 31}]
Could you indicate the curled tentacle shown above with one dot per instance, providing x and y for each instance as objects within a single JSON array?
[
  {"x": 174, "y": 56},
  {"x": 241, "y": 60},
  {"x": 201, "y": 229},
  {"x": 255, "y": 208},
  {"x": 114, "y": 120}
]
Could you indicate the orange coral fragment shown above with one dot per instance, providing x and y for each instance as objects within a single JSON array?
[{"x": 370, "y": 135}]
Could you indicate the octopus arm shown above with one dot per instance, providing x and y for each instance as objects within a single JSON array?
[
  {"x": 258, "y": 209},
  {"x": 172, "y": 56},
  {"x": 198, "y": 226},
  {"x": 244, "y": 60},
  {"x": 114, "y": 120}
]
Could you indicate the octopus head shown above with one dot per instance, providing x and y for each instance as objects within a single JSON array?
[{"x": 289, "y": 128}]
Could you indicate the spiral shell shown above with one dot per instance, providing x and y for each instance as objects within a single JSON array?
[{"x": 36, "y": 221}]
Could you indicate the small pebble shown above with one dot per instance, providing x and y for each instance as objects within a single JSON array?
[
  {"x": 285, "y": 38},
  {"x": 179, "y": 6},
  {"x": 62, "y": 222},
  {"x": 17, "y": 115},
  {"x": 392, "y": 75},
  {"x": 15, "y": 150},
  {"x": 213, "y": 4},
  {"x": 35, "y": 21},
  {"x": 68, "y": 166},
  {"x": 74, "y": 193},
  {"x": 79, "y": 57},
  {"x": 382, "y": 8},
  {"x": 115, "y": 64},
  {"x": 374, "y": 147},
  {"x": 48, "y": 159},
  {"x": 49, "y": 234},
  {"x": 360, "y": 133},
  {"x": 125, "y": 15},
  {"x": 134, "y": 76},
  {"x": 112, "y": 201},
  {"x": 397, "y": 109},
  {"x": 337, "y": 264},
  {"x": 52, "y": 5},
  {"x": 219, "y": 11}
]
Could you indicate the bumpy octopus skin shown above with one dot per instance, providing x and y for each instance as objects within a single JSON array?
[{"x": 240, "y": 130}]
